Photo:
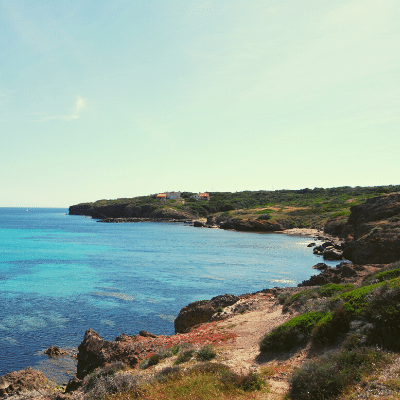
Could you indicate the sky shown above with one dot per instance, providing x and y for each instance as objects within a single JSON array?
[{"x": 123, "y": 98}]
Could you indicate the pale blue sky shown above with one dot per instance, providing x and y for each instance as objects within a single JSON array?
[{"x": 106, "y": 99}]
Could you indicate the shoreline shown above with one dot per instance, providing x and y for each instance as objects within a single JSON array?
[
  {"x": 300, "y": 232},
  {"x": 308, "y": 232}
]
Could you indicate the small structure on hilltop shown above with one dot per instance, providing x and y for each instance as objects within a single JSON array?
[
  {"x": 169, "y": 196},
  {"x": 202, "y": 196}
]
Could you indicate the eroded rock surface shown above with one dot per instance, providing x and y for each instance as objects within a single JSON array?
[
  {"x": 256, "y": 225},
  {"x": 343, "y": 273},
  {"x": 201, "y": 311},
  {"x": 18, "y": 382},
  {"x": 95, "y": 352},
  {"x": 374, "y": 231}
]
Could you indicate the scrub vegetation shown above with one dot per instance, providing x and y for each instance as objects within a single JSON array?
[
  {"x": 361, "y": 325},
  {"x": 206, "y": 381}
]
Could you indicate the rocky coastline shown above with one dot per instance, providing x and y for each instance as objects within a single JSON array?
[{"x": 369, "y": 239}]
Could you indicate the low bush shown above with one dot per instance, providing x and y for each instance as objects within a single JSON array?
[
  {"x": 381, "y": 276},
  {"x": 328, "y": 376},
  {"x": 168, "y": 374},
  {"x": 383, "y": 312},
  {"x": 301, "y": 300},
  {"x": 110, "y": 369},
  {"x": 206, "y": 353},
  {"x": 248, "y": 382},
  {"x": 109, "y": 380},
  {"x": 148, "y": 362},
  {"x": 184, "y": 356},
  {"x": 333, "y": 289},
  {"x": 331, "y": 326},
  {"x": 292, "y": 333},
  {"x": 175, "y": 349}
]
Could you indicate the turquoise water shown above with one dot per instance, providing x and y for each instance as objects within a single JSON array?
[{"x": 61, "y": 274}]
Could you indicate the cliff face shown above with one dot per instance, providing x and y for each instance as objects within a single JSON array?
[
  {"x": 373, "y": 229},
  {"x": 127, "y": 210},
  {"x": 80, "y": 209}
]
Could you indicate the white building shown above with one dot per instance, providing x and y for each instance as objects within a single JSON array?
[{"x": 202, "y": 196}]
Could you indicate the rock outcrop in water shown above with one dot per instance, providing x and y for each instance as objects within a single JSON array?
[
  {"x": 343, "y": 273},
  {"x": 95, "y": 352}
]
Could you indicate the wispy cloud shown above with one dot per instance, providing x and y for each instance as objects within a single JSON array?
[{"x": 80, "y": 106}]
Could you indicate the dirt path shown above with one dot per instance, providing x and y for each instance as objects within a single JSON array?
[{"x": 243, "y": 354}]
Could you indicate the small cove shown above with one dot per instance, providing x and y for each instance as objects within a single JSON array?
[{"x": 61, "y": 274}]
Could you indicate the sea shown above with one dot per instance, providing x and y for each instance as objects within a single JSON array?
[{"x": 62, "y": 274}]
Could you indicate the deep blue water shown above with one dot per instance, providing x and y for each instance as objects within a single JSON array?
[{"x": 62, "y": 274}]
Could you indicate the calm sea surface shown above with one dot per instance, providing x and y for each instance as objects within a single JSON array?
[{"x": 61, "y": 274}]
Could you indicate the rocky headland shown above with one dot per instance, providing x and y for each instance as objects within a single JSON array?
[{"x": 364, "y": 244}]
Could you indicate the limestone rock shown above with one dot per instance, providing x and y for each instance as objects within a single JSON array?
[
  {"x": 54, "y": 351},
  {"x": 374, "y": 231},
  {"x": 20, "y": 381},
  {"x": 320, "y": 266},
  {"x": 343, "y": 273},
  {"x": 332, "y": 254},
  {"x": 95, "y": 352},
  {"x": 251, "y": 225},
  {"x": 201, "y": 311}
]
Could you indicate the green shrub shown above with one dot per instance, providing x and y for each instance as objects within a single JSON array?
[
  {"x": 206, "y": 353},
  {"x": 331, "y": 326},
  {"x": 175, "y": 349},
  {"x": 381, "y": 276},
  {"x": 184, "y": 356},
  {"x": 383, "y": 311},
  {"x": 148, "y": 362},
  {"x": 291, "y": 333},
  {"x": 356, "y": 300},
  {"x": 328, "y": 376},
  {"x": 332, "y": 289}
]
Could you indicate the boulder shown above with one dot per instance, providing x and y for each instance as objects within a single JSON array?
[
  {"x": 343, "y": 273},
  {"x": 320, "y": 266},
  {"x": 332, "y": 254},
  {"x": 95, "y": 352},
  {"x": 54, "y": 351},
  {"x": 21, "y": 381},
  {"x": 201, "y": 311}
]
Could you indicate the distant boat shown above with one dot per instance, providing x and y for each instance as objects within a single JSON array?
[{"x": 27, "y": 210}]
